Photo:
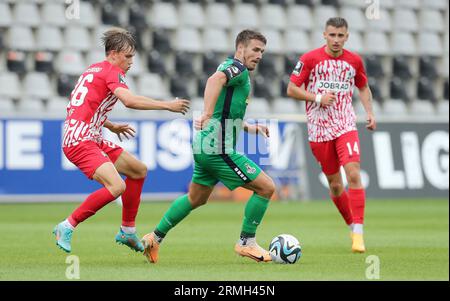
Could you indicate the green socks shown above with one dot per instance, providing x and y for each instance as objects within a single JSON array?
[
  {"x": 179, "y": 209},
  {"x": 253, "y": 214}
]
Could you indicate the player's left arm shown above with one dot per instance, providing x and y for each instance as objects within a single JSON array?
[
  {"x": 256, "y": 129},
  {"x": 366, "y": 99},
  {"x": 120, "y": 129}
]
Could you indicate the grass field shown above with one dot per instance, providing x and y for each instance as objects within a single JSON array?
[{"x": 410, "y": 238}]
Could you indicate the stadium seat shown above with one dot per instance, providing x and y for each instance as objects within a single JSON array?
[
  {"x": 353, "y": 3},
  {"x": 70, "y": 62},
  {"x": 110, "y": 15},
  {"x": 37, "y": 84},
  {"x": 257, "y": 108},
  {"x": 296, "y": 41},
  {"x": 403, "y": 43},
  {"x": 210, "y": 63},
  {"x": 356, "y": 18},
  {"x": 267, "y": 67},
  {"x": 155, "y": 63},
  {"x": 65, "y": 84},
  {"x": 43, "y": 62},
  {"x": 262, "y": 88},
  {"x": 201, "y": 85},
  {"x": 53, "y": 14},
  {"x": 387, "y": 4},
  {"x": 402, "y": 68},
  {"x": 278, "y": 2},
  {"x": 384, "y": 23},
  {"x": 420, "y": 108},
  {"x": 151, "y": 85},
  {"x": 428, "y": 67},
  {"x": 285, "y": 79},
  {"x": 377, "y": 43},
  {"x": 430, "y": 44},
  {"x": 441, "y": 108},
  {"x": 398, "y": 90},
  {"x": 49, "y": 38},
  {"x": 285, "y": 106},
  {"x": 218, "y": 15},
  {"x": 274, "y": 41},
  {"x": 299, "y": 17},
  {"x": 95, "y": 56},
  {"x": 9, "y": 85},
  {"x": 138, "y": 34},
  {"x": 405, "y": 20},
  {"x": 251, "y": 19},
  {"x": 188, "y": 39},
  {"x": 161, "y": 41},
  {"x": 184, "y": 64},
  {"x": 290, "y": 60},
  {"x": 26, "y": 13},
  {"x": 334, "y": 3},
  {"x": 163, "y": 15},
  {"x": 58, "y": 105},
  {"x": 361, "y": 112},
  {"x": 21, "y": 38},
  {"x": 77, "y": 38},
  {"x": 29, "y": 105},
  {"x": 425, "y": 90},
  {"x": 16, "y": 62},
  {"x": 5, "y": 15},
  {"x": 322, "y": 14},
  {"x": 191, "y": 15},
  {"x": 6, "y": 106},
  {"x": 216, "y": 39},
  {"x": 355, "y": 43},
  {"x": 436, "y": 4},
  {"x": 431, "y": 20},
  {"x": 395, "y": 108},
  {"x": 317, "y": 39},
  {"x": 308, "y": 3},
  {"x": 87, "y": 17},
  {"x": 408, "y": 4},
  {"x": 197, "y": 105},
  {"x": 136, "y": 16},
  {"x": 374, "y": 66},
  {"x": 178, "y": 88},
  {"x": 446, "y": 89},
  {"x": 273, "y": 16},
  {"x": 377, "y": 93},
  {"x": 131, "y": 84}
]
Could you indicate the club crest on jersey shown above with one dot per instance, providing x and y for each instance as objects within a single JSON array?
[
  {"x": 122, "y": 79},
  {"x": 298, "y": 68},
  {"x": 251, "y": 170}
]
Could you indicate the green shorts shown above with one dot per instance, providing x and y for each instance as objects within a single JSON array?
[{"x": 233, "y": 170}]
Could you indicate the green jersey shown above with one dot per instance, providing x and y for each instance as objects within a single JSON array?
[{"x": 222, "y": 131}]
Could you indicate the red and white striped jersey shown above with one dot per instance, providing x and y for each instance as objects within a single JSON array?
[
  {"x": 320, "y": 72},
  {"x": 90, "y": 101}
]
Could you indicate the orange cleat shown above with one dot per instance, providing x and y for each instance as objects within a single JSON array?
[
  {"x": 151, "y": 247},
  {"x": 254, "y": 252},
  {"x": 358, "y": 243}
]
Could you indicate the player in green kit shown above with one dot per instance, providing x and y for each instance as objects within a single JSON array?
[{"x": 226, "y": 98}]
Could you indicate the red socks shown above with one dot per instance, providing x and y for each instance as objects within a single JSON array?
[
  {"x": 94, "y": 202},
  {"x": 357, "y": 202},
  {"x": 342, "y": 203},
  {"x": 131, "y": 199}
]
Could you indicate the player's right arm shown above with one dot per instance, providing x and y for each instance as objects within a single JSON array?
[
  {"x": 298, "y": 80},
  {"x": 213, "y": 88},
  {"x": 138, "y": 102}
]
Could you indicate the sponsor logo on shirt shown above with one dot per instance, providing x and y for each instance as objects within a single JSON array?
[
  {"x": 333, "y": 86},
  {"x": 94, "y": 69}
]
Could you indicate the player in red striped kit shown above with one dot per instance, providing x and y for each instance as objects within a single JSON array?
[
  {"x": 94, "y": 96},
  {"x": 329, "y": 75}
]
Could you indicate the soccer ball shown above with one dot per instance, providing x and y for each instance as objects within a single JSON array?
[{"x": 285, "y": 248}]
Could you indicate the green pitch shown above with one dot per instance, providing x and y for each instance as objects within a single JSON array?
[{"x": 409, "y": 237}]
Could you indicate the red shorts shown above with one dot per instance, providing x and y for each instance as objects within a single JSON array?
[
  {"x": 89, "y": 155},
  {"x": 336, "y": 153}
]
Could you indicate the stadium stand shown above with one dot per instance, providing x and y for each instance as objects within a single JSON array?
[{"x": 181, "y": 42}]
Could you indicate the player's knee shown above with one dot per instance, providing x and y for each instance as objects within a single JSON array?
[
  {"x": 141, "y": 171},
  {"x": 336, "y": 188},
  {"x": 117, "y": 189},
  {"x": 353, "y": 178},
  {"x": 268, "y": 189}
]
